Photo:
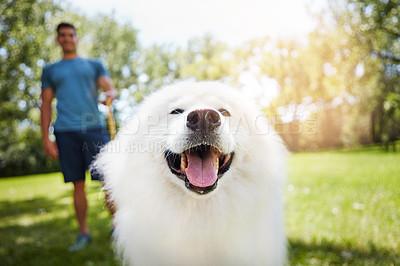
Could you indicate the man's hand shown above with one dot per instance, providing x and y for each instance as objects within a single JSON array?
[
  {"x": 111, "y": 94},
  {"x": 109, "y": 91},
  {"x": 50, "y": 148}
]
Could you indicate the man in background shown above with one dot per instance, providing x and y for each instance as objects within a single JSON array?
[{"x": 79, "y": 128}]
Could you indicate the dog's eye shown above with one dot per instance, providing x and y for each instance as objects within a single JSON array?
[
  {"x": 177, "y": 111},
  {"x": 224, "y": 112}
]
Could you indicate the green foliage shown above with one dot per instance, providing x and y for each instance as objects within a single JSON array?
[
  {"x": 203, "y": 59},
  {"x": 23, "y": 51},
  {"x": 317, "y": 77},
  {"x": 376, "y": 27},
  {"x": 116, "y": 45},
  {"x": 346, "y": 75},
  {"x": 157, "y": 66},
  {"x": 207, "y": 59},
  {"x": 27, "y": 43}
]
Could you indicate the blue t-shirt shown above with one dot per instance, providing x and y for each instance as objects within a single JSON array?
[{"x": 74, "y": 82}]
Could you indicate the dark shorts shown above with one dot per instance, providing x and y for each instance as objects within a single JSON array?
[{"x": 76, "y": 150}]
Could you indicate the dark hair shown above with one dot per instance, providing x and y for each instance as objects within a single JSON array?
[{"x": 65, "y": 25}]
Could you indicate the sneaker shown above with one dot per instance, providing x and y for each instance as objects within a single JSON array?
[{"x": 81, "y": 242}]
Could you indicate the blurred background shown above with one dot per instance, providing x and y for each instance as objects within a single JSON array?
[{"x": 327, "y": 73}]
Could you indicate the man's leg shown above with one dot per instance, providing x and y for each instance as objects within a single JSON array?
[
  {"x": 94, "y": 140},
  {"x": 73, "y": 169},
  {"x": 80, "y": 204}
]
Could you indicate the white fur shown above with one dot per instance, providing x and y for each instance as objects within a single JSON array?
[{"x": 160, "y": 222}]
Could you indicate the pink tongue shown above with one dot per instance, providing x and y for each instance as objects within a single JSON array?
[{"x": 201, "y": 172}]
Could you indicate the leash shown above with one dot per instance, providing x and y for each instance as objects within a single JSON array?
[{"x": 110, "y": 119}]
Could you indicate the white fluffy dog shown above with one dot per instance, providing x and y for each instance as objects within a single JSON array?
[{"x": 196, "y": 177}]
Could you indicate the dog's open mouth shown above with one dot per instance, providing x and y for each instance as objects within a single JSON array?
[{"x": 200, "y": 167}]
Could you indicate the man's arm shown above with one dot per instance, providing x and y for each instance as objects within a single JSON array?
[
  {"x": 106, "y": 84},
  {"x": 49, "y": 146}
]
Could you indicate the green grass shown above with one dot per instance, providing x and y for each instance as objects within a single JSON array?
[
  {"x": 37, "y": 223},
  {"x": 342, "y": 208}
]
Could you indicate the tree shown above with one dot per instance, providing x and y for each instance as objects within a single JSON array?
[
  {"x": 159, "y": 65},
  {"x": 23, "y": 50},
  {"x": 203, "y": 59},
  {"x": 116, "y": 45},
  {"x": 315, "y": 77},
  {"x": 207, "y": 59},
  {"x": 26, "y": 45},
  {"x": 376, "y": 27}
]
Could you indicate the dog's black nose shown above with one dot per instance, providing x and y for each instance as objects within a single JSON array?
[{"x": 203, "y": 120}]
